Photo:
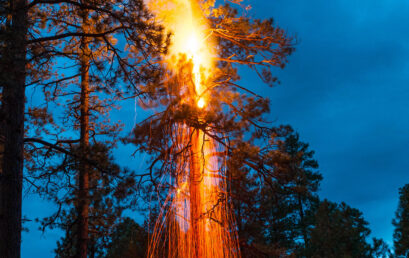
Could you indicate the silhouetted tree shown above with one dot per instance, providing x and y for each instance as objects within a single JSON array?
[
  {"x": 338, "y": 231},
  {"x": 110, "y": 191},
  {"x": 128, "y": 240},
  {"x": 275, "y": 211},
  {"x": 380, "y": 249},
  {"x": 401, "y": 223},
  {"x": 13, "y": 33},
  {"x": 292, "y": 199}
]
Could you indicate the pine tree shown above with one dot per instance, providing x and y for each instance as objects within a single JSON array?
[
  {"x": 301, "y": 184},
  {"x": 46, "y": 30},
  {"x": 110, "y": 192},
  {"x": 338, "y": 231},
  {"x": 233, "y": 115},
  {"x": 85, "y": 35},
  {"x": 274, "y": 211},
  {"x": 380, "y": 249},
  {"x": 128, "y": 240},
  {"x": 401, "y": 223},
  {"x": 233, "y": 110},
  {"x": 13, "y": 31}
]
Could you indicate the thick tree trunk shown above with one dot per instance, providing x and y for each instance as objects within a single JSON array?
[
  {"x": 83, "y": 177},
  {"x": 195, "y": 180},
  {"x": 13, "y": 75}
]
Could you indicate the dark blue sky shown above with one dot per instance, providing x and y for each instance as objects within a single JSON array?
[{"x": 345, "y": 90}]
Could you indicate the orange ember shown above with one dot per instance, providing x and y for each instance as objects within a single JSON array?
[{"x": 196, "y": 219}]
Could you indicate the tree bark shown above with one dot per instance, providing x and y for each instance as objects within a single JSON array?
[
  {"x": 83, "y": 177},
  {"x": 195, "y": 180},
  {"x": 13, "y": 74}
]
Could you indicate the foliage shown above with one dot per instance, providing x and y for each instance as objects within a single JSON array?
[
  {"x": 380, "y": 249},
  {"x": 339, "y": 231},
  {"x": 128, "y": 240},
  {"x": 275, "y": 211},
  {"x": 401, "y": 223},
  {"x": 110, "y": 192}
]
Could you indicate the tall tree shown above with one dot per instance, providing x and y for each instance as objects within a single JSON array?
[
  {"x": 401, "y": 223},
  {"x": 233, "y": 114},
  {"x": 12, "y": 79},
  {"x": 83, "y": 173},
  {"x": 85, "y": 33},
  {"x": 275, "y": 211},
  {"x": 233, "y": 111},
  {"x": 299, "y": 181}
]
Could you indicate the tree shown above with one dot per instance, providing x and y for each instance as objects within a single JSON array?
[
  {"x": 291, "y": 200},
  {"x": 275, "y": 212},
  {"x": 110, "y": 191},
  {"x": 12, "y": 82},
  {"x": 232, "y": 110},
  {"x": 85, "y": 35},
  {"x": 339, "y": 231},
  {"x": 380, "y": 249},
  {"x": 36, "y": 28},
  {"x": 401, "y": 223},
  {"x": 233, "y": 114},
  {"x": 128, "y": 240},
  {"x": 301, "y": 183}
]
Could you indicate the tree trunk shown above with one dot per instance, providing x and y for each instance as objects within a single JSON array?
[
  {"x": 195, "y": 180},
  {"x": 13, "y": 74},
  {"x": 83, "y": 177}
]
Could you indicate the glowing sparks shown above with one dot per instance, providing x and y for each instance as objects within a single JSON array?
[{"x": 196, "y": 219}]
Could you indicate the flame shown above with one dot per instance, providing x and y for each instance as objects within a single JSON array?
[
  {"x": 201, "y": 103},
  {"x": 190, "y": 38},
  {"x": 196, "y": 219}
]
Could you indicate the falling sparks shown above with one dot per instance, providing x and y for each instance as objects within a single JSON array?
[{"x": 196, "y": 219}]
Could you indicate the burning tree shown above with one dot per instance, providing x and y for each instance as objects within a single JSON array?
[{"x": 202, "y": 116}]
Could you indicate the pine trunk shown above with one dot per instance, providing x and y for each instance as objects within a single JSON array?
[
  {"x": 195, "y": 179},
  {"x": 83, "y": 178},
  {"x": 13, "y": 75}
]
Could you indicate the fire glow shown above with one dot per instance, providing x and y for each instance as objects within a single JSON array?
[{"x": 196, "y": 219}]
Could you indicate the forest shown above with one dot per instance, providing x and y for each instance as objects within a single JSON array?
[{"x": 209, "y": 174}]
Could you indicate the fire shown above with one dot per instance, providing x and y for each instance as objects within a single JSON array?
[
  {"x": 201, "y": 103},
  {"x": 190, "y": 37},
  {"x": 196, "y": 219}
]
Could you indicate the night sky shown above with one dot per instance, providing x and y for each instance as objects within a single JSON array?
[{"x": 345, "y": 90}]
